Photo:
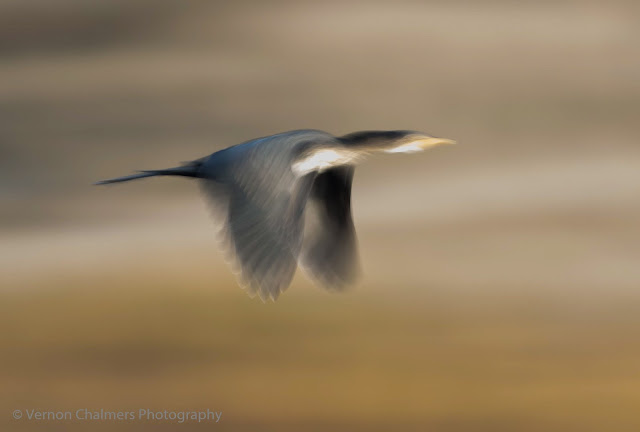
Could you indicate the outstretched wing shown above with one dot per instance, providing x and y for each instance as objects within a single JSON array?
[
  {"x": 330, "y": 253},
  {"x": 259, "y": 203},
  {"x": 263, "y": 241}
]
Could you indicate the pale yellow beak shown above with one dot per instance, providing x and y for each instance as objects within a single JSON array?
[
  {"x": 419, "y": 143},
  {"x": 426, "y": 143}
]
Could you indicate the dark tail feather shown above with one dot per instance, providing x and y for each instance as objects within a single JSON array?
[
  {"x": 125, "y": 178},
  {"x": 185, "y": 171}
]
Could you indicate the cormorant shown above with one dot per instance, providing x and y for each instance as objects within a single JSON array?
[{"x": 260, "y": 189}]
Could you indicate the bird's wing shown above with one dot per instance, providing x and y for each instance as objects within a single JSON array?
[
  {"x": 260, "y": 207},
  {"x": 262, "y": 241},
  {"x": 330, "y": 253}
]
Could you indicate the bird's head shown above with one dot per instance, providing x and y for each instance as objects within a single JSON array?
[{"x": 398, "y": 141}]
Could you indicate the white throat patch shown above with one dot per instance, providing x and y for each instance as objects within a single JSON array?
[
  {"x": 410, "y": 147},
  {"x": 323, "y": 159},
  {"x": 419, "y": 145}
]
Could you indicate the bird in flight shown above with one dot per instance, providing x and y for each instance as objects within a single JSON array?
[{"x": 285, "y": 200}]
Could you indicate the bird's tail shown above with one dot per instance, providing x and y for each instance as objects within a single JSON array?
[{"x": 190, "y": 169}]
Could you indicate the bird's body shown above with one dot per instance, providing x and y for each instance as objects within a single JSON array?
[{"x": 261, "y": 189}]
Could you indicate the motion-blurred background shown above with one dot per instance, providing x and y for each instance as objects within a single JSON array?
[{"x": 501, "y": 277}]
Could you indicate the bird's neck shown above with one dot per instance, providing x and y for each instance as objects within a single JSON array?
[{"x": 368, "y": 141}]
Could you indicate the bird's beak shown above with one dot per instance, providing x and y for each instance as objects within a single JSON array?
[
  {"x": 429, "y": 142},
  {"x": 419, "y": 142}
]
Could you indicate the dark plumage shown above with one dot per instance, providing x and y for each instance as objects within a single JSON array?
[{"x": 260, "y": 191}]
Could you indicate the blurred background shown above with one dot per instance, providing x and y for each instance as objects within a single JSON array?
[{"x": 501, "y": 277}]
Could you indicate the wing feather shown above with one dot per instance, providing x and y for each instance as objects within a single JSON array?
[
  {"x": 330, "y": 251},
  {"x": 258, "y": 202}
]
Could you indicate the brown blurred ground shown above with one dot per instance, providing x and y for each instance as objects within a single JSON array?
[{"x": 501, "y": 276}]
